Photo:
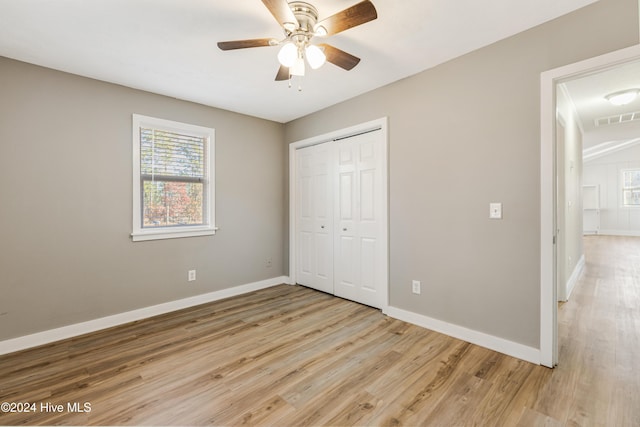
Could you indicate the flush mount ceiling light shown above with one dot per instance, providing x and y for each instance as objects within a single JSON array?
[
  {"x": 299, "y": 21},
  {"x": 622, "y": 97}
]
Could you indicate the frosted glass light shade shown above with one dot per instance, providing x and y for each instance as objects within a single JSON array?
[
  {"x": 320, "y": 31},
  {"x": 288, "y": 54},
  {"x": 297, "y": 69},
  {"x": 315, "y": 56}
]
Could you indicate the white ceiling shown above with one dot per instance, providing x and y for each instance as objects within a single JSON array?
[
  {"x": 588, "y": 96},
  {"x": 169, "y": 46},
  {"x": 588, "y": 93}
]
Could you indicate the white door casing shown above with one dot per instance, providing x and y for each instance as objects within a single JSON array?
[{"x": 548, "y": 176}]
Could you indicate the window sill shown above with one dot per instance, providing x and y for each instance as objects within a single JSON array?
[{"x": 143, "y": 235}]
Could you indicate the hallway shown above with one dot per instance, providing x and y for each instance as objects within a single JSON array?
[{"x": 599, "y": 339}]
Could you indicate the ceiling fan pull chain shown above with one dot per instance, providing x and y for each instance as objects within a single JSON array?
[{"x": 291, "y": 77}]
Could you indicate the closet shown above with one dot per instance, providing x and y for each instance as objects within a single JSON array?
[{"x": 341, "y": 217}]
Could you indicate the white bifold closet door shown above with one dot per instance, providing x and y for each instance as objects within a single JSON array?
[
  {"x": 359, "y": 251},
  {"x": 314, "y": 222},
  {"x": 341, "y": 241}
]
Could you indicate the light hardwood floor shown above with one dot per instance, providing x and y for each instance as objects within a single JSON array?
[{"x": 290, "y": 356}]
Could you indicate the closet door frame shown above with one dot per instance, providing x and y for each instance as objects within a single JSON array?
[{"x": 380, "y": 125}]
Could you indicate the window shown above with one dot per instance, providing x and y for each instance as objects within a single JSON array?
[
  {"x": 172, "y": 186},
  {"x": 631, "y": 188}
]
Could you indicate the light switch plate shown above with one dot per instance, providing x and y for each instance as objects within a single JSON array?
[{"x": 495, "y": 210}]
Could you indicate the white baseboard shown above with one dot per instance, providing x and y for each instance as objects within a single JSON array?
[
  {"x": 52, "y": 335},
  {"x": 491, "y": 342},
  {"x": 624, "y": 233},
  {"x": 575, "y": 276}
]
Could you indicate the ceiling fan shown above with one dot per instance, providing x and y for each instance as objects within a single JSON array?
[{"x": 299, "y": 20}]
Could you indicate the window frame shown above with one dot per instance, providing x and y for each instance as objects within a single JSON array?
[
  {"x": 623, "y": 188},
  {"x": 139, "y": 233}
]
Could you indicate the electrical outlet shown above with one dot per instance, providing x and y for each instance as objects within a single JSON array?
[
  {"x": 415, "y": 287},
  {"x": 192, "y": 275},
  {"x": 268, "y": 263}
]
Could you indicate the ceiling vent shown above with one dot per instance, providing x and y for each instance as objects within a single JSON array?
[{"x": 620, "y": 118}]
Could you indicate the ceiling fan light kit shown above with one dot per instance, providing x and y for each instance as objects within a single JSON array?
[
  {"x": 299, "y": 21},
  {"x": 315, "y": 56},
  {"x": 291, "y": 52},
  {"x": 288, "y": 54},
  {"x": 297, "y": 69},
  {"x": 622, "y": 97}
]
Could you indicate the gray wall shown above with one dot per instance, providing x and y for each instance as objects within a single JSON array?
[
  {"x": 65, "y": 203},
  {"x": 464, "y": 134}
]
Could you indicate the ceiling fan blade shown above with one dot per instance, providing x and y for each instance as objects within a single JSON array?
[
  {"x": 243, "y": 44},
  {"x": 353, "y": 16},
  {"x": 339, "y": 57},
  {"x": 283, "y": 74},
  {"x": 282, "y": 12}
]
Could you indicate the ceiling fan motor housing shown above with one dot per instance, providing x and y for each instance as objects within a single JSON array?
[{"x": 306, "y": 14}]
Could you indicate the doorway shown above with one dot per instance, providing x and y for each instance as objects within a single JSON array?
[
  {"x": 338, "y": 210},
  {"x": 549, "y": 201}
]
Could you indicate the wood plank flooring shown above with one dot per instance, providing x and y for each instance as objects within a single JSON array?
[{"x": 291, "y": 356}]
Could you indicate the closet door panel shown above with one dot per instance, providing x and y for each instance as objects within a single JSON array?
[
  {"x": 358, "y": 218},
  {"x": 314, "y": 218},
  {"x": 368, "y": 260},
  {"x": 323, "y": 217},
  {"x": 304, "y": 218}
]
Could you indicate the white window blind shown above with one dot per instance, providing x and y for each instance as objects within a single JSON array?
[
  {"x": 173, "y": 188},
  {"x": 172, "y": 154}
]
